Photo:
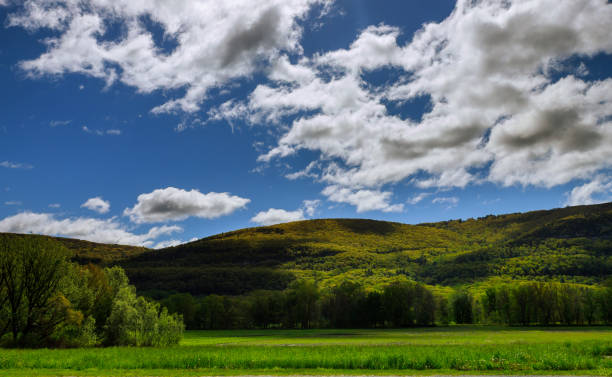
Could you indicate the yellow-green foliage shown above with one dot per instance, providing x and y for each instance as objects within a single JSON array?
[{"x": 570, "y": 245}]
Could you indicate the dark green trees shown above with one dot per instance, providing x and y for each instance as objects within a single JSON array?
[
  {"x": 45, "y": 300},
  {"x": 31, "y": 273},
  {"x": 541, "y": 303},
  {"x": 462, "y": 305}
]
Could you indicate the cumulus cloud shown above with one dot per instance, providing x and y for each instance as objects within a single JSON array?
[
  {"x": 97, "y": 204},
  {"x": 364, "y": 200},
  {"x": 599, "y": 190},
  {"x": 173, "y": 204},
  {"x": 95, "y": 230},
  {"x": 489, "y": 72},
  {"x": 494, "y": 104},
  {"x": 209, "y": 42},
  {"x": 277, "y": 216},
  {"x": 15, "y": 165}
]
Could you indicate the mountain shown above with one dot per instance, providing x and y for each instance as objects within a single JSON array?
[{"x": 567, "y": 244}]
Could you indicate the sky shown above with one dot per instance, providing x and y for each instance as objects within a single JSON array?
[{"x": 156, "y": 122}]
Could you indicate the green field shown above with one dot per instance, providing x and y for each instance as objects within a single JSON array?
[{"x": 450, "y": 350}]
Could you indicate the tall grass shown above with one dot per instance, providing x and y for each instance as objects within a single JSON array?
[
  {"x": 455, "y": 350},
  {"x": 515, "y": 357}
]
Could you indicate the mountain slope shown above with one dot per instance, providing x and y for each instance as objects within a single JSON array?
[{"x": 566, "y": 244}]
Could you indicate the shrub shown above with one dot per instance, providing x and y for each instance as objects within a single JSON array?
[{"x": 134, "y": 321}]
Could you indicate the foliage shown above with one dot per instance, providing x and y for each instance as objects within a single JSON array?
[
  {"x": 571, "y": 244},
  {"x": 563, "y": 245},
  {"x": 538, "y": 303},
  {"x": 33, "y": 307},
  {"x": 134, "y": 321},
  {"x": 45, "y": 300}
]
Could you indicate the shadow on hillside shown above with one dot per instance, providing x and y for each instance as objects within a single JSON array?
[{"x": 368, "y": 226}]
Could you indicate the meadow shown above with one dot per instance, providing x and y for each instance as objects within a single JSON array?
[{"x": 436, "y": 350}]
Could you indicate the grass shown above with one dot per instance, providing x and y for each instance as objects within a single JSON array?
[
  {"x": 455, "y": 335},
  {"x": 455, "y": 350}
]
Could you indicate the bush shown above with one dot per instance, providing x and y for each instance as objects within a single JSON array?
[{"x": 134, "y": 321}]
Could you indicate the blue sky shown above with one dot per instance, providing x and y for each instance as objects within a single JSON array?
[{"x": 151, "y": 123}]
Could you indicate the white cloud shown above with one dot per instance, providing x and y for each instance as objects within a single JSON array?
[
  {"x": 599, "y": 190},
  {"x": 418, "y": 198},
  {"x": 364, "y": 200},
  {"x": 13, "y": 203},
  {"x": 167, "y": 243},
  {"x": 97, "y": 204},
  {"x": 15, "y": 165},
  {"x": 95, "y": 230},
  {"x": 277, "y": 216},
  {"x": 101, "y": 132},
  {"x": 54, "y": 205},
  {"x": 89, "y": 131},
  {"x": 496, "y": 111},
  {"x": 55, "y": 123},
  {"x": 451, "y": 201},
  {"x": 493, "y": 108},
  {"x": 310, "y": 206},
  {"x": 173, "y": 204},
  {"x": 307, "y": 172},
  {"x": 212, "y": 41}
]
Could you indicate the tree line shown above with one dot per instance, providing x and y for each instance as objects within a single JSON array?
[
  {"x": 399, "y": 304},
  {"x": 45, "y": 300}
]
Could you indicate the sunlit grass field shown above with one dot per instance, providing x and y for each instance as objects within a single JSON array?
[{"x": 451, "y": 350}]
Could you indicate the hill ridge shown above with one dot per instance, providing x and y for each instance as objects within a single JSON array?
[{"x": 562, "y": 244}]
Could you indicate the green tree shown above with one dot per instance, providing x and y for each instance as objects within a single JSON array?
[
  {"x": 343, "y": 305},
  {"x": 183, "y": 304},
  {"x": 398, "y": 299},
  {"x": 134, "y": 321},
  {"x": 302, "y": 304},
  {"x": 373, "y": 309},
  {"x": 461, "y": 303},
  {"x": 425, "y": 306},
  {"x": 31, "y": 272}
]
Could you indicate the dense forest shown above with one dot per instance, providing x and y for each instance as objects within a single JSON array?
[{"x": 572, "y": 244}]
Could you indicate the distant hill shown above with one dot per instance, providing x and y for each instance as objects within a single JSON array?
[
  {"x": 96, "y": 253},
  {"x": 567, "y": 244}
]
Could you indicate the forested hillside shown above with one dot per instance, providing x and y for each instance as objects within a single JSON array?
[{"x": 572, "y": 244}]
